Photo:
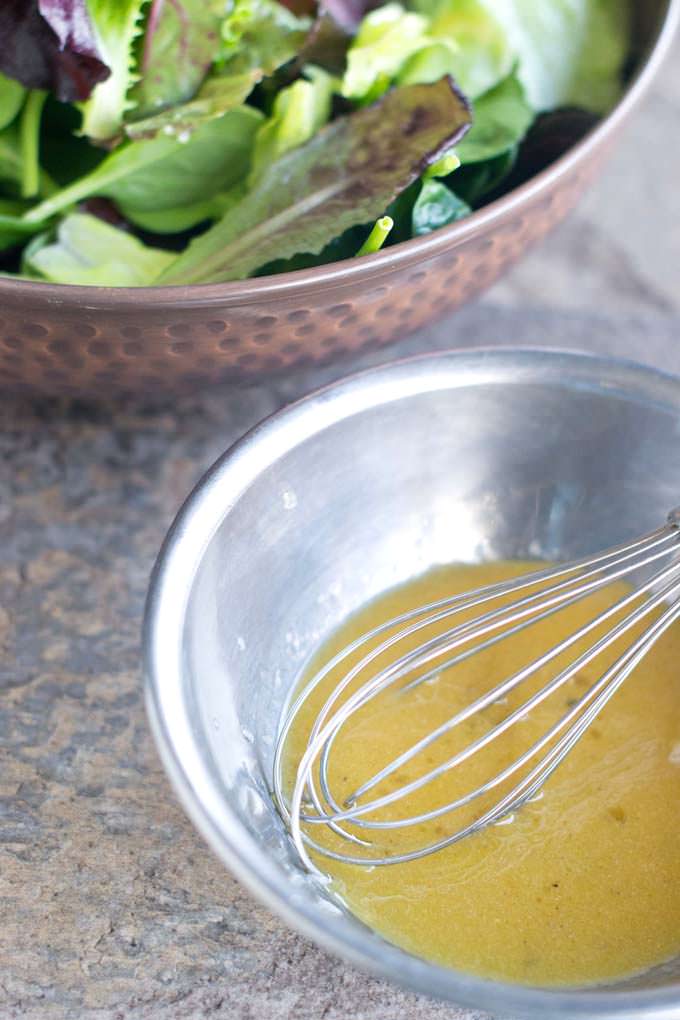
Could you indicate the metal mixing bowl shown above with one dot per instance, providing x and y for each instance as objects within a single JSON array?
[
  {"x": 462, "y": 456},
  {"x": 86, "y": 340}
]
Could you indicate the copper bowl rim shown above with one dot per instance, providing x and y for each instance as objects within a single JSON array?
[{"x": 406, "y": 253}]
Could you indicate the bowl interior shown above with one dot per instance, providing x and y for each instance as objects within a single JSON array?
[{"x": 454, "y": 458}]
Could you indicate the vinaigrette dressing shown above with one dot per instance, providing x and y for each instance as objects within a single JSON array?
[{"x": 583, "y": 886}]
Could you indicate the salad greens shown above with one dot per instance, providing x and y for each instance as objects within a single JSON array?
[
  {"x": 197, "y": 141},
  {"x": 347, "y": 173}
]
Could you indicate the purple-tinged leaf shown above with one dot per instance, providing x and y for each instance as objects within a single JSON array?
[
  {"x": 348, "y": 13},
  {"x": 326, "y": 45},
  {"x": 346, "y": 174},
  {"x": 181, "y": 40},
  {"x": 50, "y": 44}
]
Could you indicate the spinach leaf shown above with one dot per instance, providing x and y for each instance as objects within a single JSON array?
[
  {"x": 164, "y": 173},
  {"x": 550, "y": 136},
  {"x": 347, "y": 174},
  {"x": 116, "y": 26},
  {"x": 64, "y": 154},
  {"x": 177, "y": 219},
  {"x": 501, "y": 118},
  {"x": 475, "y": 181},
  {"x": 89, "y": 251},
  {"x": 436, "y": 207},
  {"x": 400, "y": 212}
]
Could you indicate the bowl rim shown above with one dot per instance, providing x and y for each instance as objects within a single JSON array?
[
  {"x": 405, "y": 253},
  {"x": 172, "y": 578}
]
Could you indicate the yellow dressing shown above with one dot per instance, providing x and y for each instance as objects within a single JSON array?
[{"x": 583, "y": 886}]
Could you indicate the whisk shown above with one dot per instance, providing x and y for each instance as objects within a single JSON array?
[{"x": 651, "y": 564}]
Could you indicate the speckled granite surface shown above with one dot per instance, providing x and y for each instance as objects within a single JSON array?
[{"x": 112, "y": 908}]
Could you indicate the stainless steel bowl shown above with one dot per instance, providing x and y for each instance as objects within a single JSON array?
[{"x": 461, "y": 456}]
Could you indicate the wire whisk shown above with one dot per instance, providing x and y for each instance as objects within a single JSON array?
[{"x": 651, "y": 566}]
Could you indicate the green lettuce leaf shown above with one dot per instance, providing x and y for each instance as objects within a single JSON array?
[
  {"x": 11, "y": 100},
  {"x": 429, "y": 63},
  {"x": 567, "y": 51},
  {"x": 89, "y": 251},
  {"x": 181, "y": 41},
  {"x": 570, "y": 52},
  {"x": 386, "y": 39},
  {"x": 478, "y": 49},
  {"x": 164, "y": 173},
  {"x": 501, "y": 119},
  {"x": 260, "y": 33},
  {"x": 299, "y": 111},
  {"x": 258, "y": 37},
  {"x": 116, "y": 25},
  {"x": 347, "y": 174},
  {"x": 436, "y": 207}
]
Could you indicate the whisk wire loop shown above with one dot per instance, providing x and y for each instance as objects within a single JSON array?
[{"x": 313, "y": 803}]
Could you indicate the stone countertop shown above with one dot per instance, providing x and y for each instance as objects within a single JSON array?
[{"x": 112, "y": 907}]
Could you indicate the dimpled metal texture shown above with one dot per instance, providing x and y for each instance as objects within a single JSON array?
[{"x": 79, "y": 341}]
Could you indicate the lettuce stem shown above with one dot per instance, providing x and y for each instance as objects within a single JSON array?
[
  {"x": 29, "y": 142},
  {"x": 443, "y": 167},
  {"x": 377, "y": 236}
]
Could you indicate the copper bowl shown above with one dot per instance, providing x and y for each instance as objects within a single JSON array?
[{"x": 57, "y": 339}]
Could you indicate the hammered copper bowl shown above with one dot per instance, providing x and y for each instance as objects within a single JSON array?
[{"x": 57, "y": 339}]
